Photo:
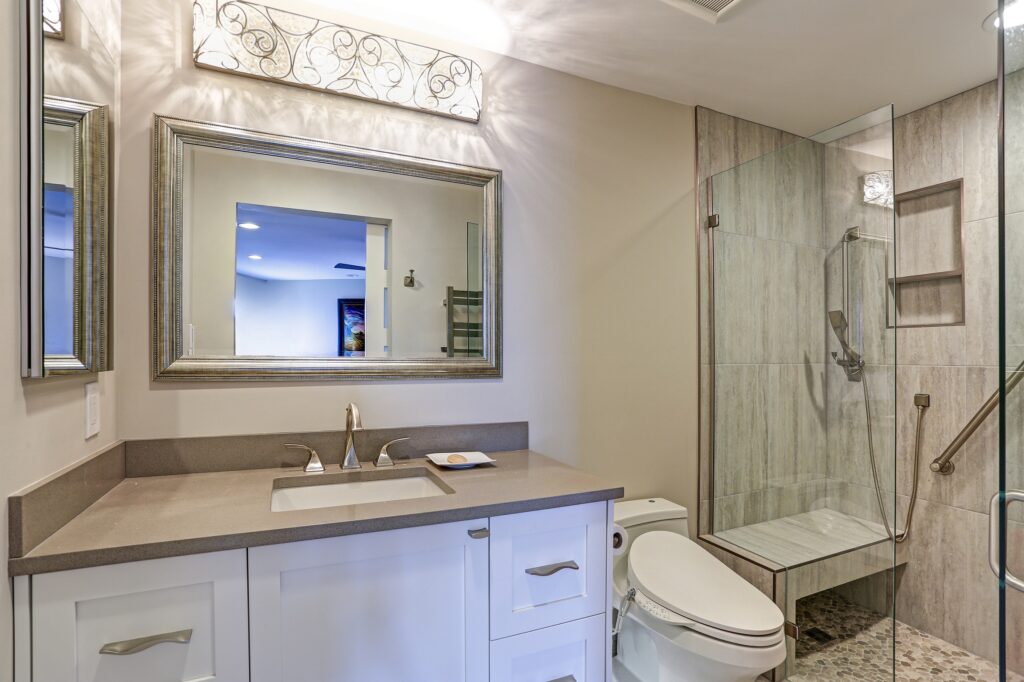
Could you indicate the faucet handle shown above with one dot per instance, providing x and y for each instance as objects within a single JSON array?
[
  {"x": 313, "y": 465},
  {"x": 384, "y": 459}
]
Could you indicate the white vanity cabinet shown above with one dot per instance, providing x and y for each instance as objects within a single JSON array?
[
  {"x": 394, "y": 606},
  {"x": 166, "y": 620},
  {"x": 515, "y": 598}
]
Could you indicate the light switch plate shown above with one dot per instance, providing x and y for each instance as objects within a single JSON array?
[{"x": 92, "y": 409}]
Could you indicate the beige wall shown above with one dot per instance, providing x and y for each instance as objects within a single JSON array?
[
  {"x": 42, "y": 422},
  {"x": 600, "y": 338}
]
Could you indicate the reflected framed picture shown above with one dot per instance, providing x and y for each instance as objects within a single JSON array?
[{"x": 351, "y": 327}]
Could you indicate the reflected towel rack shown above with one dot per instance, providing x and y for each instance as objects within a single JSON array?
[
  {"x": 463, "y": 315},
  {"x": 943, "y": 464}
]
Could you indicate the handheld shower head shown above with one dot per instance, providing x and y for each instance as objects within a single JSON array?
[{"x": 837, "y": 319}]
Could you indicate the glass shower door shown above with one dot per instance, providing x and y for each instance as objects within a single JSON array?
[{"x": 1007, "y": 512}]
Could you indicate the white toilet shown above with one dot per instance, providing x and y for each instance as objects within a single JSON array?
[{"x": 693, "y": 619}]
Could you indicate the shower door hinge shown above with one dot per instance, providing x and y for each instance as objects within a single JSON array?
[
  {"x": 792, "y": 630},
  {"x": 712, "y": 220}
]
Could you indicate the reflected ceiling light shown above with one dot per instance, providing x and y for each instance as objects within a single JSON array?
[
  {"x": 471, "y": 22},
  {"x": 249, "y": 226},
  {"x": 255, "y": 256},
  {"x": 1013, "y": 13}
]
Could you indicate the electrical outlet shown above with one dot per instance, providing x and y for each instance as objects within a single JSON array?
[{"x": 92, "y": 409}]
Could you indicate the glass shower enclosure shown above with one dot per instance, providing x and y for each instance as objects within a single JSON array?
[
  {"x": 803, "y": 294},
  {"x": 1006, "y": 517}
]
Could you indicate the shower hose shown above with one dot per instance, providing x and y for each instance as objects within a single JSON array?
[{"x": 900, "y": 537}]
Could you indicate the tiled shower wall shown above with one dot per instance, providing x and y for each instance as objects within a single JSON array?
[
  {"x": 947, "y": 588},
  {"x": 768, "y": 347}
]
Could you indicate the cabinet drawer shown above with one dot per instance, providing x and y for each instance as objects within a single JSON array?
[
  {"x": 547, "y": 567},
  {"x": 166, "y": 620},
  {"x": 572, "y": 651}
]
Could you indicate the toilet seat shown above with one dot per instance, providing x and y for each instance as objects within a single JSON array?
[{"x": 680, "y": 583}]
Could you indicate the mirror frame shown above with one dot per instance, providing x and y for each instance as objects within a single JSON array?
[
  {"x": 91, "y": 324},
  {"x": 169, "y": 362}
]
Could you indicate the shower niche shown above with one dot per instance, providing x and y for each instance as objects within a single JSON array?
[{"x": 929, "y": 288}]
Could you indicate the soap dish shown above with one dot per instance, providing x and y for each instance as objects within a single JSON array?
[{"x": 459, "y": 460}]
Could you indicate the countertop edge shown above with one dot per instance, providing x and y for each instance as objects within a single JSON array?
[{"x": 29, "y": 565}]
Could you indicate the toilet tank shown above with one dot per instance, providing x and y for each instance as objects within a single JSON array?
[{"x": 655, "y": 513}]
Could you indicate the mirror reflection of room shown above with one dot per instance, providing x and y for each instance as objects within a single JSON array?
[
  {"x": 58, "y": 240},
  {"x": 298, "y": 259}
]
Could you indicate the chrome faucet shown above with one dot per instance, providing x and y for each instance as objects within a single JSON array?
[{"x": 352, "y": 424}]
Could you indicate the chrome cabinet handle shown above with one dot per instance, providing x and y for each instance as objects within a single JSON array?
[
  {"x": 479, "y": 533},
  {"x": 551, "y": 569},
  {"x": 993, "y": 535},
  {"x": 127, "y": 647}
]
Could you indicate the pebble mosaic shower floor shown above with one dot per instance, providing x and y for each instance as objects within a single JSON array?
[{"x": 862, "y": 645}]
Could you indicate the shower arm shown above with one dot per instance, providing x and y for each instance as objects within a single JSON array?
[{"x": 943, "y": 464}]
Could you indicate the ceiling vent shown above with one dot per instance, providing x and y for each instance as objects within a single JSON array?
[{"x": 708, "y": 10}]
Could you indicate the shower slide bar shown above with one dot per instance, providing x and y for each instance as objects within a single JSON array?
[{"x": 943, "y": 464}]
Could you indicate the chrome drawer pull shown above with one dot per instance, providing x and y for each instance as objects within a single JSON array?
[
  {"x": 551, "y": 569},
  {"x": 479, "y": 533},
  {"x": 133, "y": 646},
  {"x": 567, "y": 678}
]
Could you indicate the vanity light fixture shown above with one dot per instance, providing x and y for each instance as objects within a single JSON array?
[
  {"x": 53, "y": 19},
  {"x": 262, "y": 42},
  {"x": 255, "y": 256},
  {"x": 249, "y": 226}
]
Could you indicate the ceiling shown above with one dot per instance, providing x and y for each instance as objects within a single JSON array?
[
  {"x": 799, "y": 65},
  {"x": 298, "y": 245}
]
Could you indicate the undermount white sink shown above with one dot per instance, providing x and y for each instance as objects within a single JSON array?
[{"x": 291, "y": 494}]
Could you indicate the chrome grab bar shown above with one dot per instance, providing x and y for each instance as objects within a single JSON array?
[
  {"x": 128, "y": 647},
  {"x": 943, "y": 463},
  {"x": 994, "y": 516}
]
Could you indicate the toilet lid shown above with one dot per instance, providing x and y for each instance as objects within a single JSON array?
[{"x": 674, "y": 572}]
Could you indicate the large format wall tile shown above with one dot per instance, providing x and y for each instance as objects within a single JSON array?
[
  {"x": 981, "y": 169},
  {"x": 795, "y": 414},
  {"x": 768, "y": 300},
  {"x": 741, "y": 429},
  {"x": 929, "y": 145},
  {"x": 981, "y": 288}
]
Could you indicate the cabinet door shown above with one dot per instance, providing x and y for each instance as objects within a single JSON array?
[
  {"x": 395, "y": 606},
  {"x": 571, "y": 652},
  {"x": 548, "y": 567},
  {"x": 165, "y": 620}
]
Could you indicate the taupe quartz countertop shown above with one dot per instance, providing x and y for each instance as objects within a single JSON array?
[{"x": 161, "y": 516}]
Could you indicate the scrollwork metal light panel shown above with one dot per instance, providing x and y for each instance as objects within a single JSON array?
[
  {"x": 271, "y": 44},
  {"x": 53, "y": 18}
]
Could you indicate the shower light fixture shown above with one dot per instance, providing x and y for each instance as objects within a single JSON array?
[
  {"x": 878, "y": 188},
  {"x": 255, "y": 256},
  {"x": 249, "y": 226}
]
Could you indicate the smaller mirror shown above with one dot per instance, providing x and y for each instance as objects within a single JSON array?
[{"x": 69, "y": 329}]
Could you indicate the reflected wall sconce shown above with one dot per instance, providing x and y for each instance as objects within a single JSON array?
[
  {"x": 53, "y": 19},
  {"x": 258, "y": 41}
]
